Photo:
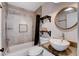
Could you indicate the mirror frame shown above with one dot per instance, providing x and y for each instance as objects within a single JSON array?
[{"x": 61, "y": 27}]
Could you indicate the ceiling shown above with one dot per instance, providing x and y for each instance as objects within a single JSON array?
[{"x": 31, "y": 6}]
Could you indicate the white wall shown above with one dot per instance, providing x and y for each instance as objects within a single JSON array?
[
  {"x": 72, "y": 19},
  {"x": 78, "y": 32},
  {"x": 52, "y": 9},
  {"x": 0, "y": 30},
  {"x": 16, "y": 17},
  {"x": 3, "y": 22}
]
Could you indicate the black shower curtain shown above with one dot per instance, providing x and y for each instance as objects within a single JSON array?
[{"x": 36, "y": 41}]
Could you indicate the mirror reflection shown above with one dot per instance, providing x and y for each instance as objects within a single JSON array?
[{"x": 66, "y": 18}]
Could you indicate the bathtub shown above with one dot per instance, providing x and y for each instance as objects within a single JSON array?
[
  {"x": 20, "y": 47},
  {"x": 22, "y": 50}
]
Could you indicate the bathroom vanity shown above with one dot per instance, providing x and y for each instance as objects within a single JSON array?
[{"x": 71, "y": 51}]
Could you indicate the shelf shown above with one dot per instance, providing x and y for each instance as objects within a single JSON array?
[
  {"x": 44, "y": 31},
  {"x": 49, "y": 32},
  {"x": 45, "y": 17}
]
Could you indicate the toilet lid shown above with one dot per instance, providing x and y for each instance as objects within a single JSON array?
[{"x": 36, "y": 50}]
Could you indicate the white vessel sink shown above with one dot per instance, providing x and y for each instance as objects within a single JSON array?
[{"x": 59, "y": 44}]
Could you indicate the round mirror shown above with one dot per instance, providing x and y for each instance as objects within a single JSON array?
[{"x": 66, "y": 19}]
